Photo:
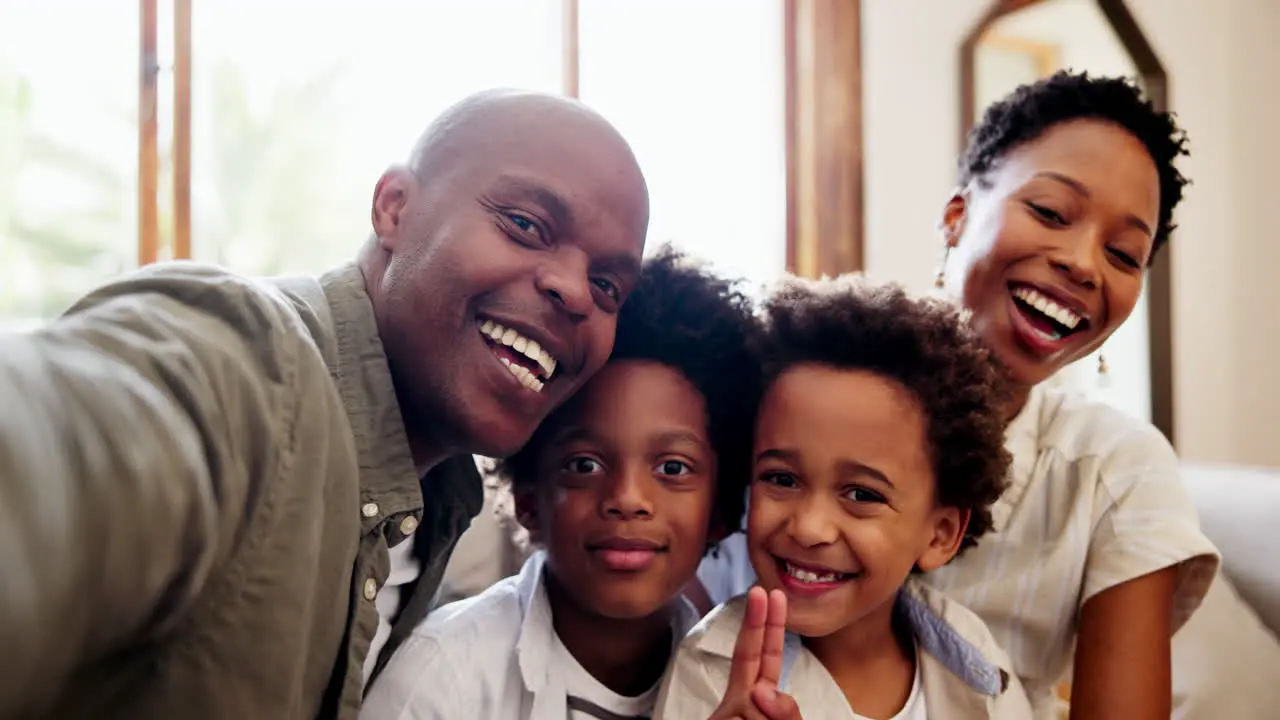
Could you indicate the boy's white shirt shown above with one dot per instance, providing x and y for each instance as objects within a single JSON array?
[
  {"x": 491, "y": 656},
  {"x": 964, "y": 674}
]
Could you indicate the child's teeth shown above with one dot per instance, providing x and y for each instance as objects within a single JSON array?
[{"x": 810, "y": 576}]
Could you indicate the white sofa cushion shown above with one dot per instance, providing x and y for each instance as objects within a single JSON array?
[{"x": 1240, "y": 512}]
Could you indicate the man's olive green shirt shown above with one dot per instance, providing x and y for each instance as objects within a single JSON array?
[{"x": 200, "y": 477}]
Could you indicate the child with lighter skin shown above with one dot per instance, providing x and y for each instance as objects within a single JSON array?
[
  {"x": 623, "y": 490},
  {"x": 877, "y": 456}
]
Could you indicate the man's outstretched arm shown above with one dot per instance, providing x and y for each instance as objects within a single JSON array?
[{"x": 127, "y": 433}]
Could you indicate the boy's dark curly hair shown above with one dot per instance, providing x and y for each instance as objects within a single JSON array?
[
  {"x": 923, "y": 344},
  {"x": 1026, "y": 113},
  {"x": 682, "y": 315}
]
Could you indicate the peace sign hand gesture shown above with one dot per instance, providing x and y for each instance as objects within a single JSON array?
[{"x": 752, "y": 693}]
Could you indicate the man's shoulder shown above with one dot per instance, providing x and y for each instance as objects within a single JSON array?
[{"x": 251, "y": 306}]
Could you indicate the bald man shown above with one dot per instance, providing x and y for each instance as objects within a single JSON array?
[{"x": 230, "y": 498}]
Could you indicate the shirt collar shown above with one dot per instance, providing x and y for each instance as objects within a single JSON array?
[
  {"x": 388, "y": 476},
  {"x": 1022, "y": 441},
  {"x": 946, "y": 630}
]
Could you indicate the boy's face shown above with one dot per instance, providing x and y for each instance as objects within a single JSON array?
[
  {"x": 626, "y": 490},
  {"x": 843, "y": 497}
]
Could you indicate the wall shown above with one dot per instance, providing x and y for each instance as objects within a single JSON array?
[{"x": 1219, "y": 57}]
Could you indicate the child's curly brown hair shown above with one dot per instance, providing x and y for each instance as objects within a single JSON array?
[{"x": 924, "y": 344}]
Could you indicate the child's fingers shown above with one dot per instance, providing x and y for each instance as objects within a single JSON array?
[
  {"x": 775, "y": 635},
  {"x": 774, "y": 705},
  {"x": 747, "y": 650}
]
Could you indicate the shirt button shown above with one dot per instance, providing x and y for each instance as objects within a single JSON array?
[
  {"x": 369, "y": 510},
  {"x": 370, "y": 589},
  {"x": 408, "y": 525}
]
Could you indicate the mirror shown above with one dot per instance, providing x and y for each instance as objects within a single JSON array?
[{"x": 1021, "y": 41}]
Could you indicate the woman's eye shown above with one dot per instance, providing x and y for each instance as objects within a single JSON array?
[
  {"x": 673, "y": 468},
  {"x": 582, "y": 466},
  {"x": 1125, "y": 258},
  {"x": 1048, "y": 214},
  {"x": 863, "y": 495}
]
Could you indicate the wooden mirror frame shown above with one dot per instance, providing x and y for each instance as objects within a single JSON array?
[{"x": 1155, "y": 83}]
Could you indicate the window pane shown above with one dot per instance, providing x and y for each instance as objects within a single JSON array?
[
  {"x": 696, "y": 86},
  {"x": 68, "y": 151},
  {"x": 288, "y": 143}
]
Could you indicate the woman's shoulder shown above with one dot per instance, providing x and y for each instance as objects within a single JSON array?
[{"x": 1077, "y": 427}]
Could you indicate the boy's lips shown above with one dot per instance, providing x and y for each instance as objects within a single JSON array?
[{"x": 625, "y": 554}]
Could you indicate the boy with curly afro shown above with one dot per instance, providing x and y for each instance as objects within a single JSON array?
[
  {"x": 623, "y": 490},
  {"x": 878, "y": 454}
]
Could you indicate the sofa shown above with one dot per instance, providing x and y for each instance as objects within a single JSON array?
[{"x": 1226, "y": 659}]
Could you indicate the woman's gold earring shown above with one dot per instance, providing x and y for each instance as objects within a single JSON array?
[
  {"x": 940, "y": 278},
  {"x": 1102, "y": 364}
]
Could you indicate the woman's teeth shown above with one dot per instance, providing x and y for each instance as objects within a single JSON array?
[{"x": 1047, "y": 307}]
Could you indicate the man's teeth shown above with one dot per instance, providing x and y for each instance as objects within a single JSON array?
[
  {"x": 1038, "y": 300},
  {"x": 521, "y": 344},
  {"x": 810, "y": 576},
  {"x": 522, "y": 374}
]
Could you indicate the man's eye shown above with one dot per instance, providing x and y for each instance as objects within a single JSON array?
[
  {"x": 523, "y": 223},
  {"x": 608, "y": 288}
]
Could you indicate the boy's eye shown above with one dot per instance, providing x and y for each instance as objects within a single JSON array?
[
  {"x": 582, "y": 466},
  {"x": 781, "y": 479},
  {"x": 863, "y": 495},
  {"x": 673, "y": 468}
]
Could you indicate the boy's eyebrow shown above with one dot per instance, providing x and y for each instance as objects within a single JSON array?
[
  {"x": 853, "y": 467},
  {"x": 847, "y": 467}
]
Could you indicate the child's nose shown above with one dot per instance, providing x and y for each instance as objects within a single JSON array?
[
  {"x": 626, "y": 496},
  {"x": 810, "y": 525}
]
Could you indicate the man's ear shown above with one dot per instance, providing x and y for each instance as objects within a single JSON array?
[
  {"x": 389, "y": 198},
  {"x": 949, "y": 525},
  {"x": 954, "y": 215}
]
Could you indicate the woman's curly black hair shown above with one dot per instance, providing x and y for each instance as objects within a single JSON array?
[
  {"x": 1026, "y": 113},
  {"x": 923, "y": 344},
  {"x": 682, "y": 315}
]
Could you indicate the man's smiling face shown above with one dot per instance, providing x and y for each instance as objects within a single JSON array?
[{"x": 511, "y": 243}]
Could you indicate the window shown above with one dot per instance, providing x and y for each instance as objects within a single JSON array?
[
  {"x": 68, "y": 156},
  {"x": 697, "y": 89}
]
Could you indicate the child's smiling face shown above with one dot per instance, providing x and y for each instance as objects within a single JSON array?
[
  {"x": 843, "y": 496},
  {"x": 626, "y": 488}
]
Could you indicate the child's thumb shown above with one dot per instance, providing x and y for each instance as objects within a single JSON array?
[{"x": 775, "y": 705}]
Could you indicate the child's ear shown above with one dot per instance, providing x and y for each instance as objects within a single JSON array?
[
  {"x": 949, "y": 524},
  {"x": 526, "y": 504}
]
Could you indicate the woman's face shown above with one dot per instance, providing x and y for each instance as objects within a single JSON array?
[{"x": 1049, "y": 253}]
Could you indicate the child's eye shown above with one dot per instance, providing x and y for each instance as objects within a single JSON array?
[
  {"x": 582, "y": 466},
  {"x": 781, "y": 479},
  {"x": 673, "y": 468},
  {"x": 863, "y": 495}
]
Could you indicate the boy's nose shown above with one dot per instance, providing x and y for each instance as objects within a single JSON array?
[
  {"x": 626, "y": 496},
  {"x": 810, "y": 525}
]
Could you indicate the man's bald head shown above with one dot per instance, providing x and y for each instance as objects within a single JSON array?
[
  {"x": 497, "y": 123},
  {"x": 516, "y": 210}
]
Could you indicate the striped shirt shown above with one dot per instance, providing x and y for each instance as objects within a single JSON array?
[{"x": 1095, "y": 499}]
